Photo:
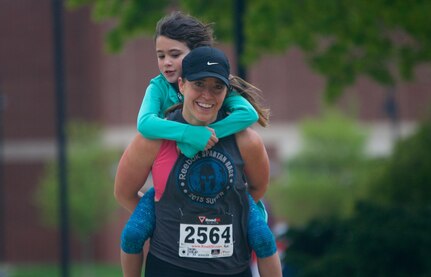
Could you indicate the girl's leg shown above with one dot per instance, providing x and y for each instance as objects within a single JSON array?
[
  {"x": 260, "y": 236},
  {"x": 140, "y": 225},
  {"x": 131, "y": 264},
  {"x": 262, "y": 242}
]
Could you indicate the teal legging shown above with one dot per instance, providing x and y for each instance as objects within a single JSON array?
[{"x": 141, "y": 225}]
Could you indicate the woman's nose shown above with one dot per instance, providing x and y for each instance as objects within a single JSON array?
[{"x": 206, "y": 93}]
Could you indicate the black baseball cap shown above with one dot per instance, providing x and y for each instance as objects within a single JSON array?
[{"x": 204, "y": 62}]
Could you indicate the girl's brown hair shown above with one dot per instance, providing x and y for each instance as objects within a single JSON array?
[{"x": 185, "y": 28}]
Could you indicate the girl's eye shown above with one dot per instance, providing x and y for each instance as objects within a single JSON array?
[{"x": 175, "y": 54}]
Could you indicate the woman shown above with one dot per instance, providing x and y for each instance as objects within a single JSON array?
[{"x": 201, "y": 203}]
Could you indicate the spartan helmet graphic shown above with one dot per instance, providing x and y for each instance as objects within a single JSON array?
[{"x": 207, "y": 179}]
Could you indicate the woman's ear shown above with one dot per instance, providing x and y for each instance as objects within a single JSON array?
[{"x": 181, "y": 85}]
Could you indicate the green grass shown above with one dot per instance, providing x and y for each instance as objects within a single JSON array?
[{"x": 77, "y": 270}]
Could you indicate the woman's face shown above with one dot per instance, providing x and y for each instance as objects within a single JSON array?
[
  {"x": 170, "y": 54},
  {"x": 202, "y": 99}
]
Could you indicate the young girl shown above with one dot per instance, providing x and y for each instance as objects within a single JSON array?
[{"x": 176, "y": 35}]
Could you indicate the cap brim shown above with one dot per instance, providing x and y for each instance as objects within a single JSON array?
[{"x": 201, "y": 75}]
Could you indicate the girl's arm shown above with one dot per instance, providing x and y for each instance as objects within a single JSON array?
[
  {"x": 151, "y": 124},
  {"x": 242, "y": 115}
]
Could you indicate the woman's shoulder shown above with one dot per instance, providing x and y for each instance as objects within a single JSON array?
[
  {"x": 249, "y": 136},
  {"x": 140, "y": 144},
  {"x": 249, "y": 140}
]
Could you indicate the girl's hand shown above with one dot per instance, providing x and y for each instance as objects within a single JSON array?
[{"x": 213, "y": 139}]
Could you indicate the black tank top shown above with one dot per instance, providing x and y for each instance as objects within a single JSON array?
[{"x": 201, "y": 219}]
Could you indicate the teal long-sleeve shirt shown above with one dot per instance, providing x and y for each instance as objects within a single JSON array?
[{"x": 160, "y": 95}]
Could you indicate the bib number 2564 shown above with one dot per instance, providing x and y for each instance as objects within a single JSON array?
[{"x": 205, "y": 241}]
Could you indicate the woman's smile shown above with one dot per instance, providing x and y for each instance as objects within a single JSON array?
[{"x": 204, "y": 105}]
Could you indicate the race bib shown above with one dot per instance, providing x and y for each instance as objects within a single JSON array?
[{"x": 206, "y": 237}]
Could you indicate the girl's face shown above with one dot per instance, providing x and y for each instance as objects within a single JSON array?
[
  {"x": 202, "y": 99},
  {"x": 170, "y": 54}
]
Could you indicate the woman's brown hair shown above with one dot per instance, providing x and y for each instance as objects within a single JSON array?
[{"x": 253, "y": 95}]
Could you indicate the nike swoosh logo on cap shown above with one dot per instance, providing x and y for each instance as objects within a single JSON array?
[{"x": 209, "y": 63}]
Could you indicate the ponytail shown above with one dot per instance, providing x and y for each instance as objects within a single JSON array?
[{"x": 253, "y": 95}]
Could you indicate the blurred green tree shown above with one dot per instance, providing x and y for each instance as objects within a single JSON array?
[
  {"x": 404, "y": 179},
  {"x": 341, "y": 40},
  {"x": 375, "y": 241},
  {"x": 321, "y": 181},
  {"x": 90, "y": 189},
  {"x": 388, "y": 232}
]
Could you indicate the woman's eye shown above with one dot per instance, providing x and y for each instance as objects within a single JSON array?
[
  {"x": 217, "y": 91},
  {"x": 198, "y": 84}
]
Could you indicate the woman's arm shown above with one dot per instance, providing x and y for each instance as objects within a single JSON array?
[
  {"x": 242, "y": 115},
  {"x": 133, "y": 170},
  {"x": 256, "y": 162},
  {"x": 256, "y": 166}
]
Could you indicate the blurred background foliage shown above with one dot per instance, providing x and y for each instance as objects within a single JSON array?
[
  {"x": 322, "y": 180},
  {"x": 76, "y": 270},
  {"x": 91, "y": 170},
  {"x": 341, "y": 40},
  {"x": 387, "y": 232},
  {"x": 404, "y": 180}
]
